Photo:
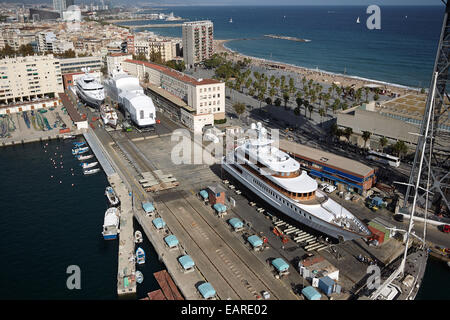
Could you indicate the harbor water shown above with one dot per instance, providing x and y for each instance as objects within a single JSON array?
[{"x": 51, "y": 218}]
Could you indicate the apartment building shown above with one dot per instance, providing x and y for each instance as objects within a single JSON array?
[
  {"x": 164, "y": 47},
  {"x": 14, "y": 38},
  {"x": 24, "y": 79},
  {"x": 70, "y": 65},
  {"x": 197, "y": 42}
]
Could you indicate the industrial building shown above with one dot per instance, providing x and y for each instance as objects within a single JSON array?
[
  {"x": 343, "y": 172},
  {"x": 70, "y": 65}
]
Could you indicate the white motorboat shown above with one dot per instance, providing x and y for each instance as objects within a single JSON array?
[
  {"x": 109, "y": 115},
  {"x": 140, "y": 256},
  {"x": 277, "y": 178},
  {"x": 90, "y": 90},
  {"x": 138, "y": 237},
  {"x": 111, "y": 195},
  {"x": 69, "y": 136},
  {"x": 91, "y": 171},
  {"x": 87, "y": 165},
  {"x": 86, "y": 157},
  {"x": 80, "y": 150},
  {"x": 139, "y": 277},
  {"x": 111, "y": 224}
]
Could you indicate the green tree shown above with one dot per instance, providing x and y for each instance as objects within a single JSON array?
[
  {"x": 383, "y": 142},
  {"x": 400, "y": 148},
  {"x": 347, "y": 133},
  {"x": 366, "y": 136},
  {"x": 297, "y": 111},
  {"x": 239, "y": 108},
  {"x": 268, "y": 100},
  {"x": 310, "y": 109},
  {"x": 140, "y": 57},
  {"x": 286, "y": 99},
  {"x": 322, "y": 114},
  {"x": 277, "y": 102},
  {"x": 26, "y": 50}
]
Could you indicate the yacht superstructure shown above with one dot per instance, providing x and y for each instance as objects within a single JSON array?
[
  {"x": 89, "y": 90},
  {"x": 277, "y": 179}
]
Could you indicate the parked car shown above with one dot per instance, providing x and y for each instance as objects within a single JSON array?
[
  {"x": 446, "y": 228},
  {"x": 399, "y": 217},
  {"x": 323, "y": 186},
  {"x": 330, "y": 188}
]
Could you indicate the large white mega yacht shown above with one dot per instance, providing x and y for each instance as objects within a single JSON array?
[
  {"x": 277, "y": 179},
  {"x": 90, "y": 90}
]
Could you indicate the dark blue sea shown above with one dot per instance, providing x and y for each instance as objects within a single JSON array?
[
  {"x": 51, "y": 219},
  {"x": 402, "y": 51}
]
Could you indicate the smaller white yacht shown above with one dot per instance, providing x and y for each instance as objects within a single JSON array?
[
  {"x": 109, "y": 116},
  {"x": 111, "y": 224},
  {"x": 111, "y": 195},
  {"x": 90, "y": 90},
  {"x": 138, "y": 237},
  {"x": 87, "y": 165}
]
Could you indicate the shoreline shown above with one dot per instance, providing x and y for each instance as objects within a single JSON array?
[{"x": 317, "y": 75}]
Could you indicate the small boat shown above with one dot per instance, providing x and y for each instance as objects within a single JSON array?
[
  {"x": 86, "y": 157},
  {"x": 357, "y": 20},
  {"x": 80, "y": 150},
  {"x": 111, "y": 224},
  {"x": 138, "y": 237},
  {"x": 231, "y": 20},
  {"x": 139, "y": 277},
  {"x": 140, "y": 256},
  {"x": 91, "y": 171},
  {"x": 109, "y": 116},
  {"x": 68, "y": 136},
  {"x": 79, "y": 144},
  {"x": 111, "y": 195},
  {"x": 87, "y": 165}
]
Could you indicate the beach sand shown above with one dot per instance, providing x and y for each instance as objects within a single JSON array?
[{"x": 315, "y": 75}]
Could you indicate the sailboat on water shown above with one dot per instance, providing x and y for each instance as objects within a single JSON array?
[
  {"x": 357, "y": 20},
  {"x": 231, "y": 20}
]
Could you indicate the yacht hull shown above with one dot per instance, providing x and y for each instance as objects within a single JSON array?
[
  {"x": 95, "y": 103},
  {"x": 249, "y": 181}
]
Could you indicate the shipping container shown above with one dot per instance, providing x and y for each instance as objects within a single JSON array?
[
  {"x": 326, "y": 285},
  {"x": 311, "y": 294}
]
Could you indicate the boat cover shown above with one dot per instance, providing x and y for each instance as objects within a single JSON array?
[
  {"x": 186, "y": 262},
  {"x": 310, "y": 293},
  {"x": 204, "y": 194},
  {"x": 171, "y": 241},
  {"x": 148, "y": 207},
  {"x": 220, "y": 207},
  {"x": 206, "y": 290},
  {"x": 159, "y": 223},
  {"x": 280, "y": 264},
  {"x": 235, "y": 223},
  {"x": 255, "y": 241}
]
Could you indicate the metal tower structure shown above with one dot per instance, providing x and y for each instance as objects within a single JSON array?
[
  {"x": 433, "y": 144},
  {"x": 429, "y": 177}
]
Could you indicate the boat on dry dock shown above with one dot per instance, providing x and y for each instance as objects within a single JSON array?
[{"x": 278, "y": 179}]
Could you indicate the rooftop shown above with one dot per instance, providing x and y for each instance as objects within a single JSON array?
[
  {"x": 326, "y": 158},
  {"x": 175, "y": 74}
]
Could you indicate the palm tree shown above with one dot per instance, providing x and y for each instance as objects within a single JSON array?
[
  {"x": 383, "y": 142},
  {"x": 286, "y": 99},
  {"x": 269, "y": 100},
  {"x": 400, "y": 148},
  {"x": 366, "y": 91},
  {"x": 299, "y": 102},
  {"x": 322, "y": 114},
  {"x": 366, "y": 136},
  {"x": 297, "y": 111},
  {"x": 277, "y": 102},
  {"x": 347, "y": 133},
  {"x": 310, "y": 109}
]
